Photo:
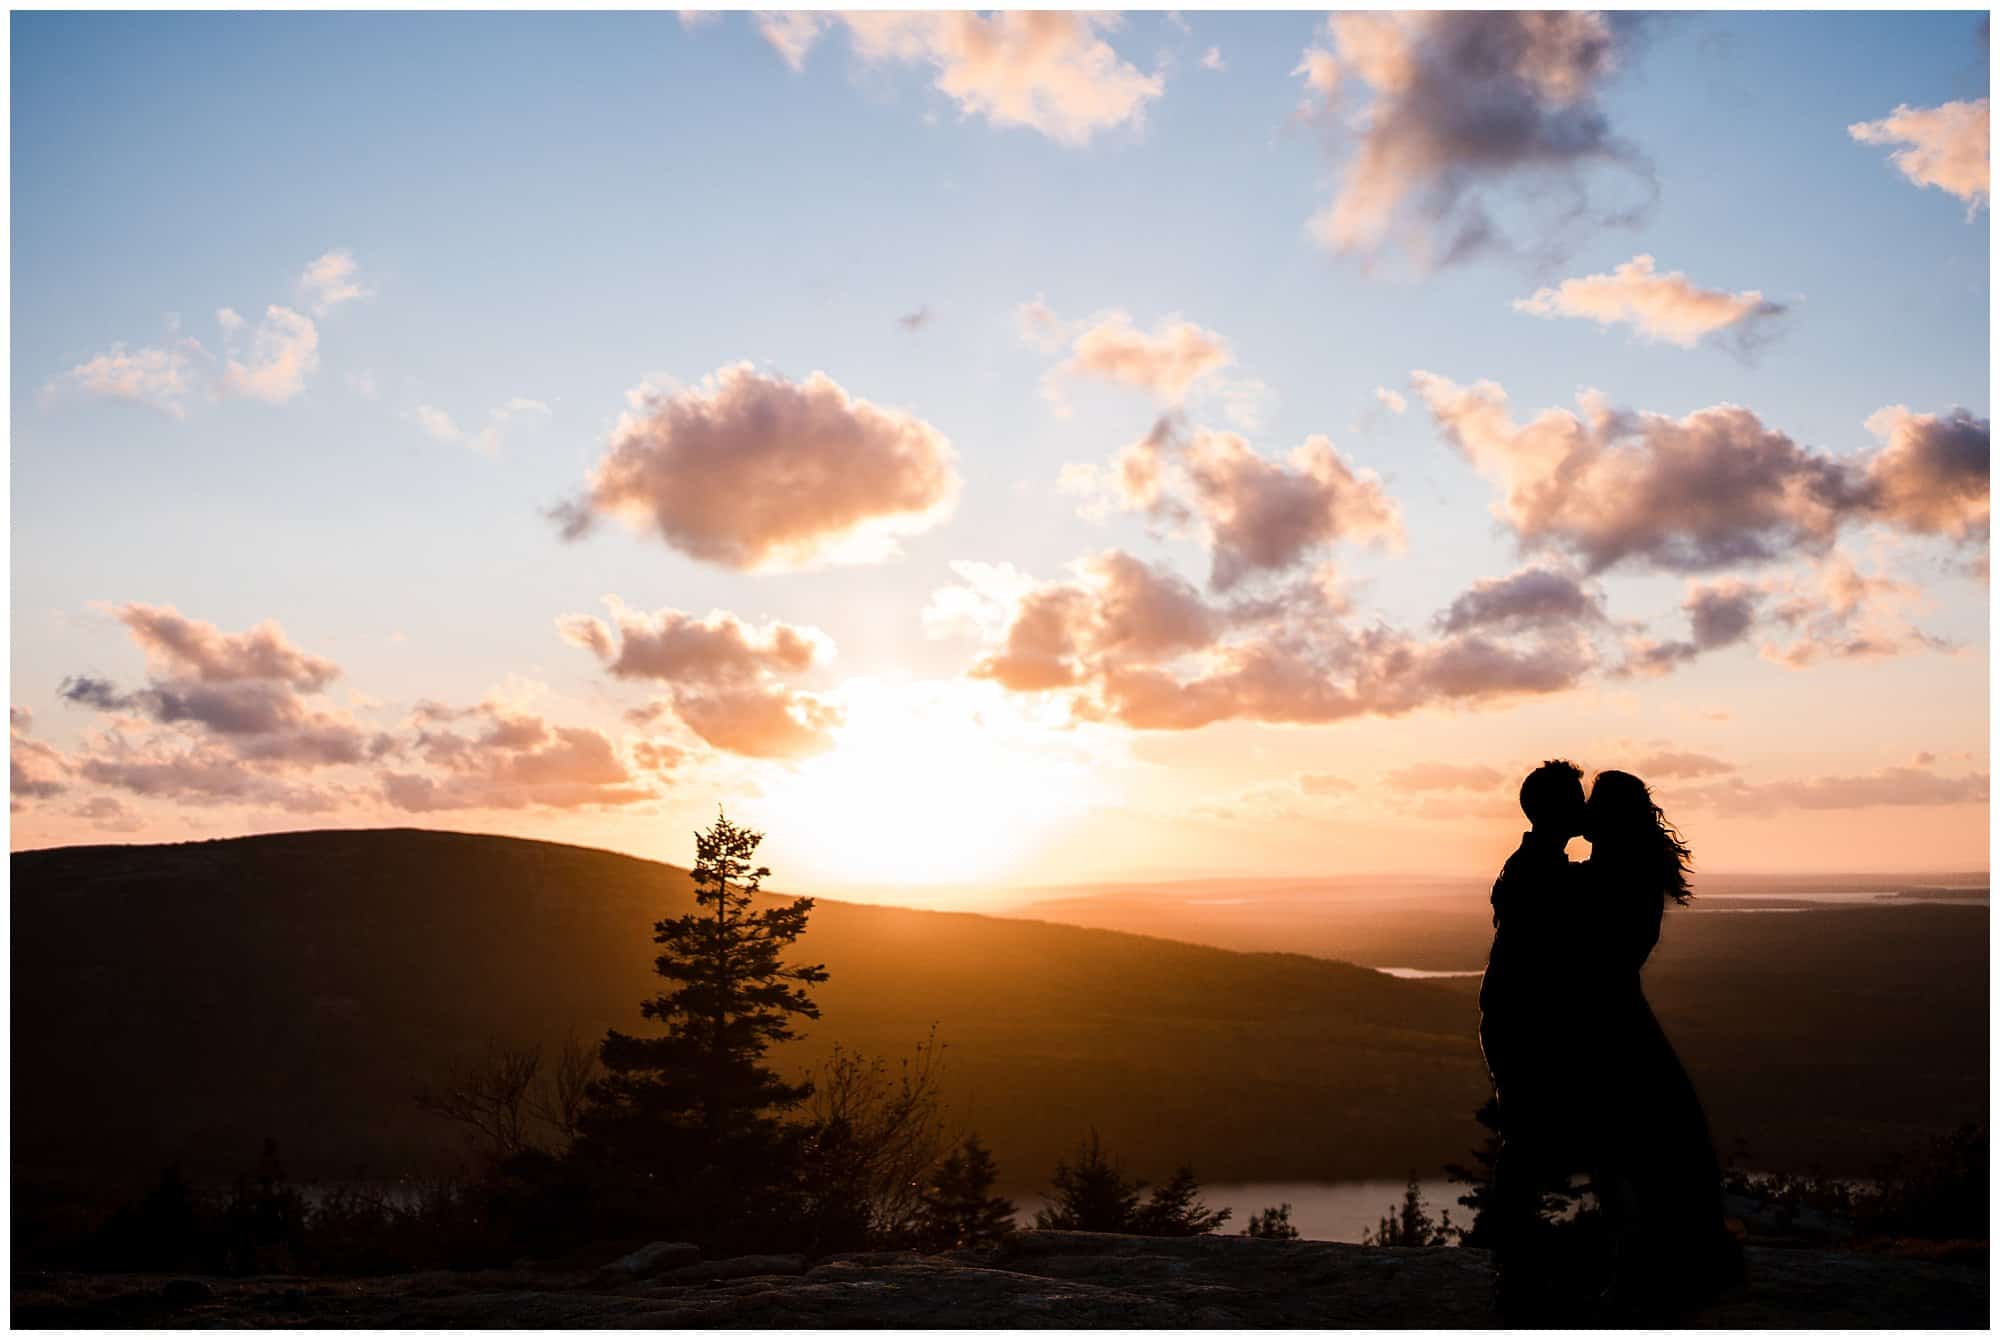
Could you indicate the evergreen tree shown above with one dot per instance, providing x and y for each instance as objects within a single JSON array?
[
  {"x": 1410, "y": 1224},
  {"x": 1174, "y": 1210},
  {"x": 959, "y": 1208},
  {"x": 692, "y": 1115},
  {"x": 1273, "y": 1221},
  {"x": 1093, "y": 1196}
]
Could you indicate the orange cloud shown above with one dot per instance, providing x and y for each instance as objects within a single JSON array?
[
  {"x": 755, "y": 472},
  {"x": 1165, "y": 362},
  {"x": 723, "y": 675},
  {"x": 510, "y": 760},
  {"x": 1669, "y": 307},
  {"x": 1132, "y": 643},
  {"x": 1048, "y": 71}
]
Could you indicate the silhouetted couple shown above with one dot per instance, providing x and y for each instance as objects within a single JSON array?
[{"x": 1586, "y": 1079}]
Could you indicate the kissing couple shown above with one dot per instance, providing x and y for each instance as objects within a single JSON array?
[{"x": 1585, "y": 1078}]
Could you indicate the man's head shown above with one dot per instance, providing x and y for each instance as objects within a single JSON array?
[{"x": 1552, "y": 798}]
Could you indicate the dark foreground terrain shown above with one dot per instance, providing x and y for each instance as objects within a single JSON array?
[{"x": 1042, "y": 1280}]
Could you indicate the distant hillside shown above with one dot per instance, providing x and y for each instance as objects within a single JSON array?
[
  {"x": 184, "y": 1001},
  {"x": 1825, "y": 1036}
]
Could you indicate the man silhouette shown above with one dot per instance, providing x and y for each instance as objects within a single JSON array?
[{"x": 1531, "y": 1027}]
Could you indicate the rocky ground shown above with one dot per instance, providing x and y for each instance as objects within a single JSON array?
[{"x": 1042, "y": 1280}]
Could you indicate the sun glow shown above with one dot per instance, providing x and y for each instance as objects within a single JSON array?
[{"x": 935, "y": 782}]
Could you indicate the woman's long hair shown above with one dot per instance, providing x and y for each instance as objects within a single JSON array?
[{"x": 1626, "y": 825}]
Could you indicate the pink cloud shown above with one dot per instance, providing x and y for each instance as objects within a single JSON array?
[
  {"x": 1135, "y": 644},
  {"x": 1668, "y": 307},
  {"x": 755, "y": 472},
  {"x": 1946, "y": 146},
  {"x": 1713, "y": 489},
  {"x": 723, "y": 675}
]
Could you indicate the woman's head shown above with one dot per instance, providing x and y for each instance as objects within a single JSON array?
[{"x": 1625, "y": 826}]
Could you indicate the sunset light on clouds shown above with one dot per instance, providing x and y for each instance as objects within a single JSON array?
[{"x": 1005, "y": 449}]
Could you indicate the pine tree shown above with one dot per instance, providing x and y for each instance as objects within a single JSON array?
[
  {"x": 959, "y": 1208},
  {"x": 1273, "y": 1221},
  {"x": 1174, "y": 1210},
  {"x": 1410, "y": 1224},
  {"x": 1094, "y": 1196},
  {"x": 694, "y": 1113}
]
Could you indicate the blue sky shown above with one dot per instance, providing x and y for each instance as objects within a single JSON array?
[{"x": 561, "y": 207}]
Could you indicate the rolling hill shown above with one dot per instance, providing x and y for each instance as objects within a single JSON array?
[{"x": 184, "y": 1001}]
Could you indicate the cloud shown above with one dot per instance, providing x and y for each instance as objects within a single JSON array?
[
  {"x": 202, "y": 774},
  {"x": 330, "y": 280},
  {"x": 1672, "y": 765},
  {"x": 1932, "y": 476},
  {"x": 1839, "y": 614},
  {"x": 1530, "y": 598},
  {"x": 723, "y": 675},
  {"x": 1848, "y": 615},
  {"x": 1324, "y": 784},
  {"x": 109, "y": 814},
  {"x": 1047, "y": 71},
  {"x": 791, "y": 33},
  {"x": 1135, "y": 644},
  {"x": 1669, "y": 307},
  {"x": 1464, "y": 109},
  {"x": 182, "y": 646},
  {"x": 244, "y": 699},
  {"x": 672, "y": 645},
  {"x": 1393, "y": 401},
  {"x": 487, "y": 440},
  {"x": 1165, "y": 362},
  {"x": 35, "y": 770},
  {"x": 1120, "y": 610},
  {"x": 755, "y": 472},
  {"x": 1714, "y": 489},
  {"x": 1211, "y": 59},
  {"x": 1256, "y": 516},
  {"x": 508, "y": 759},
  {"x": 1444, "y": 777},
  {"x": 1263, "y": 516},
  {"x": 284, "y": 349},
  {"x": 1947, "y": 147},
  {"x": 1720, "y": 614},
  {"x": 1897, "y": 787},
  {"x": 163, "y": 377}
]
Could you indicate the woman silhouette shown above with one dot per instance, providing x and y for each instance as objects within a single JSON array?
[{"x": 1659, "y": 1183}]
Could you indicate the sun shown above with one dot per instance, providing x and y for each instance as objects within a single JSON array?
[{"x": 932, "y": 783}]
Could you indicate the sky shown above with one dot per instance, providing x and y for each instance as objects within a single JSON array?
[{"x": 1003, "y": 448}]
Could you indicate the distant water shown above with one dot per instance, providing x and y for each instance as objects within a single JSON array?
[
  {"x": 1420, "y": 973},
  {"x": 1321, "y": 1211}
]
